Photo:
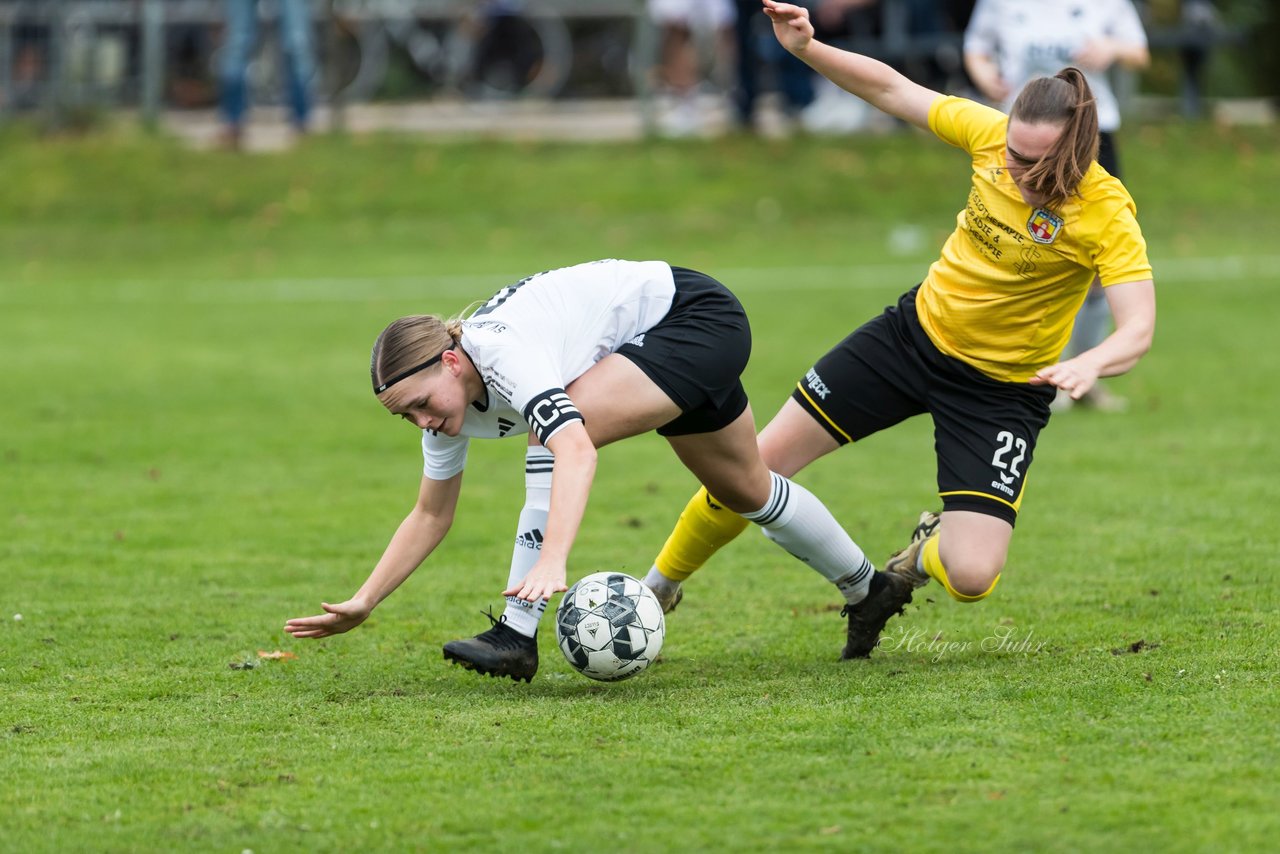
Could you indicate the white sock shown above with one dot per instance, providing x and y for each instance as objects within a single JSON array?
[
  {"x": 664, "y": 588},
  {"x": 796, "y": 520},
  {"x": 520, "y": 614}
]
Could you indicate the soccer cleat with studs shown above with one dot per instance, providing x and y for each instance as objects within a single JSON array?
[
  {"x": 500, "y": 651},
  {"x": 906, "y": 562},
  {"x": 887, "y": 595},
  {"x": 669, "y": 603}
]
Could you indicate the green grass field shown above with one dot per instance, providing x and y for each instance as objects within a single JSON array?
[{"x": 189, "y": 455}]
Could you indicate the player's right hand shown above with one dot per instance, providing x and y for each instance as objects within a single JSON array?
[{"x": 337, "y": 619}]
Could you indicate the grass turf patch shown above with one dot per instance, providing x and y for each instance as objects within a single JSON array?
[{"x": 189, "y": 455}]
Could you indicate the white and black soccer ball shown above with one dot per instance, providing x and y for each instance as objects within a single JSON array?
[{"x": 609, "y": 626}]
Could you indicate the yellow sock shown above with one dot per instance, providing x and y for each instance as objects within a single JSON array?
[
  {"x": 933, "y": 565},
  {"x": 703, "y": 528}
]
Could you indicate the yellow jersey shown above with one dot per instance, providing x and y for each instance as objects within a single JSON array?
[{"x": 1004, "y": 293}]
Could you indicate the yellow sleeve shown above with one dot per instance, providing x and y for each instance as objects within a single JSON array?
[
  {"x": 967, "y": 124},
  {"x": 1122, "y": 251}
]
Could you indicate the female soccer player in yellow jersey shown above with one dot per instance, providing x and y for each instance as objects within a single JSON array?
[{"x": 976, "y": 344}]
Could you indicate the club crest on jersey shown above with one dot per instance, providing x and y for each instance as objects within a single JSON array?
[{"x": 1043, "y": 226}]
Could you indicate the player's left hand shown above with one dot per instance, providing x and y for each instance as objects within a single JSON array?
[
  {"x": 1074, "y": 376},
  {"x": 543, "y": 581}
]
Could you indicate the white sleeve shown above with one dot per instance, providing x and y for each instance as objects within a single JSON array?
[
  {"x": 1126, "y": 25},
  {"x": 982, "y": 35},
  {"x": 527, "y": 377},
  {"x": 442, "y": 456}
]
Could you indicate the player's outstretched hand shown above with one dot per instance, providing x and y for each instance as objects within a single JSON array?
[
  {"x": 791, "y": 24},
  {"x": 1074, "y": 376},
  {"x": 543, "y": 581},
  {"x": 336, "y": 619}
]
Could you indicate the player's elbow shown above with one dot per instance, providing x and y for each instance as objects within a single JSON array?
[
  {"x": 1147, "y": 342},
  {"x": 584, "y": 456},
  {"x": 1144, "y": 334},
  {"x": 574, "y": 445},
  {"x": 426, "y": 518}
]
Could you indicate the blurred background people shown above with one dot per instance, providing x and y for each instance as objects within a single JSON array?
[
  {"x": 910, "y": 34},
  {"x": 758, "y": 51},
  {"x": 1008, "y": 43},
  {"x": 294, "y": 28},
  {"x": 833, "y": 109},
  {"x": 1198, "y": 17},
  {"x": 688, "y": 30}
]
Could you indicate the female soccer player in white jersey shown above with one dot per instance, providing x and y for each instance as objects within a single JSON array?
[
  {"x": 578, "y": 358},
  {"x": 977, "y": 345}
]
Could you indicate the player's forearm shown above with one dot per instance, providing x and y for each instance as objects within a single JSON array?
[
  {"x": 869, "y": 79},
  {"x": 415, "y": 539},
  {"x": 1121, "y": 350},
  {"x": 1133, "y": 305},
  {"x": 872, "y": 81},
  {"x": 571, "y": 478}
]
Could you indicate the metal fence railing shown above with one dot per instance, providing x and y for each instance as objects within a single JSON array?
[
  {"x": 64, "y": 55},
  {"x": 60, "y": 56}
]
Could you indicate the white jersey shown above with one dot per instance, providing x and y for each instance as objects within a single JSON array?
[
  {"x": 1030, "y": 40},
  {"x": 695, "y": 14},
  {"x": 533, "y": 338}
]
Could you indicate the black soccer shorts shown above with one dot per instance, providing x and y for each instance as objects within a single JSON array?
[
  {"x": 696, "y": 354},
  {"x": 888, "y": 370}
]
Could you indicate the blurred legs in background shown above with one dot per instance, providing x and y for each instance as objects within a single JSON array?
[
  {"x": 758, "y": 51},
  {"x": 241, "y": 39},
  {"x": 689, "y": 30}
]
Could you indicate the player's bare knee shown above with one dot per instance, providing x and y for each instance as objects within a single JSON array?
[
  {"x": 739, "y": 497},
  {"x": 973, "y": 578}
]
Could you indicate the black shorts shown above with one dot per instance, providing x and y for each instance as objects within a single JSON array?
[
  {"x": 888, "y": 370},
  {"x": 1107, "y": 157},
  {"x": 696, "y": 354}
]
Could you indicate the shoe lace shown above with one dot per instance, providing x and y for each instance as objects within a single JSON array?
[
  {"x": 924, "y": 530},
  {"x": 859, "y": 619},
  {"x": 499, "y": 634}
]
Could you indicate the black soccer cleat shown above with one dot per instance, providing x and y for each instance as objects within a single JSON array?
[
  {"x": 501, "y": 651},
  {"x": 887, "y": 595}
]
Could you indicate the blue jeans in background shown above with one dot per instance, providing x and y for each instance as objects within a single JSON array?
[{"x": 299, "y": 58}]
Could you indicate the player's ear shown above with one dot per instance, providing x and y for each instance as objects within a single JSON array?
[{"x": 452, "y": 363}]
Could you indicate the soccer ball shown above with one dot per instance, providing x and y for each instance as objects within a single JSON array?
[{"x": 609, "y": 626}]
